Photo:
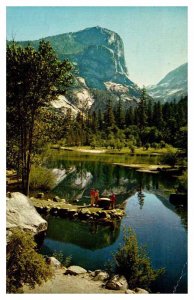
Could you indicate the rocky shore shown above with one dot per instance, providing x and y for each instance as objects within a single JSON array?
[
  {"x": 74, "y": 279},
  {"x": 77, "y": 280},
  {"x": 59, "y": 208}
]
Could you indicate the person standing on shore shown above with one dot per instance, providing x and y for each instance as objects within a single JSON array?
[
  {"x": 92, "y": 196},
  {"x": 96, "y": 196},
  {"x": 113, "y": 200}
]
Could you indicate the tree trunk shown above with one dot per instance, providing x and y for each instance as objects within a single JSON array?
[{"x": 28, "y": 164}]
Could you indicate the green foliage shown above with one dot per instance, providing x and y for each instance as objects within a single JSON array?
[
  {"x": 65, "y": 261},
  {"x": 41, "y": 178},
  {"x": 162, "y": 144},
  {"x": 170, "y": 158},
  {"x": 155, "y": 145},
  {"x": 141, "y": 110},
  {"x": 183, "y": 183},
  {"x": 133, "y": 262},
  {"x": 113, "y": 126},
  {"x": 24, "y": 264},
  {"x": 147, "y": 146},
  {"x": 34, "y": 78}
]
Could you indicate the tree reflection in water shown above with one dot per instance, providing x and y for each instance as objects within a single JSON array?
[
  {"x": 140, "y": 194},
  {"x": 87, "y": 235}
]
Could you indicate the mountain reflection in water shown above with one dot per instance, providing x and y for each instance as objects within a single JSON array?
[
  {"x": 123, "y": 181},
  {"x": 91, "y": 236},
  {"x": 159, "y": 225}
]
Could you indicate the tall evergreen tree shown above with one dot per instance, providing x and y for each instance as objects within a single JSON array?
[
  {"x": 129, "y": 116},
  {"x": 120, "y": 115},
  {"x": 34, "y": 78},
  {"x": 150, "y": 112},
  {"x": 158, "y": 115},
  {"x": 109, "y": 118},
  {"x": 100, "y": 119},
  {"x": 142, "y": 110}
]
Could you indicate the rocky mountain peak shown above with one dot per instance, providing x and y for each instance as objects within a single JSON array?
[
  {"x": 98, "y": 54},
  {"x": 172, "y": 87}
]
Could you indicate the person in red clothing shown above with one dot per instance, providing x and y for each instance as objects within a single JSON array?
[
  {"x": 96, "y": 196},
  {"x": 92, "y": 196},
  {"x": 113, "y": 200}
]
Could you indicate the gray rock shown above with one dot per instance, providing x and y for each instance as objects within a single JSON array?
[
  {"x": 56, "y": 199},
  {"x": 92, "y": 273},
  {"x": 117, "y": 283},
  {"x": 40, "y": 195},
  {"x": 53, "y": 262},
  {"x": 129, "y": 292},
  {"x": 140, "y": 291},
  {"x": 22, "y": 214},
  {"x": 75, "y": 270},
  {"x": 101, "y": 276},
  {"x": 85, "y": 211},
  {"x": 102, "y": 214}
]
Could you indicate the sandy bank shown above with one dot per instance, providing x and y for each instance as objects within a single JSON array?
[{"x": 69, "y": 284}]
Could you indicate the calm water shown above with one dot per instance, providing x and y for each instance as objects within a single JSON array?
[{"x": 158, "y": 224}]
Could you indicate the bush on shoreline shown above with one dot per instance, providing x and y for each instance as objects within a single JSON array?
[
  {"x": 41, "y": 178},
  {"x": 132, "y": 262},
  {"x": 24, "y": 264}
]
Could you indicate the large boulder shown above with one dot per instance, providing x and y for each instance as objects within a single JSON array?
[
  {"x": 20, "y": 213},
  {"x": 129, "y": 292},
  {"x": 52, "y": 261},
  {"x": 117, "y": 283},
  {"x": 100, "y": 275},
  {"x": 75, "y": 270},
  {"x": 140, "y": 291}
]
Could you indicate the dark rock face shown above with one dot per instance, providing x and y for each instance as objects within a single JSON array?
[{"x": 102, "y": 58}]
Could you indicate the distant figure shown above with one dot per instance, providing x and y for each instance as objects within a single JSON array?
[
  {"x": 113, "y": 200},
  {"x": 92, "y": 196},
  {"x": 96, "y": 196}
]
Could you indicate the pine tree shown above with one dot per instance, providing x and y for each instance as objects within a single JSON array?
[
  {"x": 119, "y": 115},
  {"x": 109, "y": 118},
  {"x": 129, "y": 116},
  {"x": 142, "y": 110},
  {"x": 158, "y": 115},
  {"x": 150, "y": 112},
  {"x": 34, "y": 78}
]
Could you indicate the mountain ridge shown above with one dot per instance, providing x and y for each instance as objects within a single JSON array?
[
  {"x": 173, "y": 86},
  {"x": 98, "y": 53}
]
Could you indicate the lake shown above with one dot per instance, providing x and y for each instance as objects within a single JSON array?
[{"x": 158, "y": 224}]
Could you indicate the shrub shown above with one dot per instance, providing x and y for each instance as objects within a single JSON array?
[
  {"x": 93, "y": 144},
  {"x": 182, "y": 187},
  {"x": 133, "y": 262},
  {"x": 24, "y": 264},
  {"x": 155, "y": 145},
  {"x": 147, "y": 146},
  {"x": 65, "y": 261},
  {"x": 170, "y": 158},
  {"x": 41, "y": 178},
  {"x": 162, "y": 144},
  {"x": 132, "y": 149}
]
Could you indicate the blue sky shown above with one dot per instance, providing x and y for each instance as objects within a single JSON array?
[{"x": 155, "y": 38}]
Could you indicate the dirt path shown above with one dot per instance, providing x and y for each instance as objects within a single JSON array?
[{"x": 69, "y": 284}]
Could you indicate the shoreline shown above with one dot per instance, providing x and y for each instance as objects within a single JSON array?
[
  {"x": 48, "y": 207},
  {"x": 125, "y": 151}
]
